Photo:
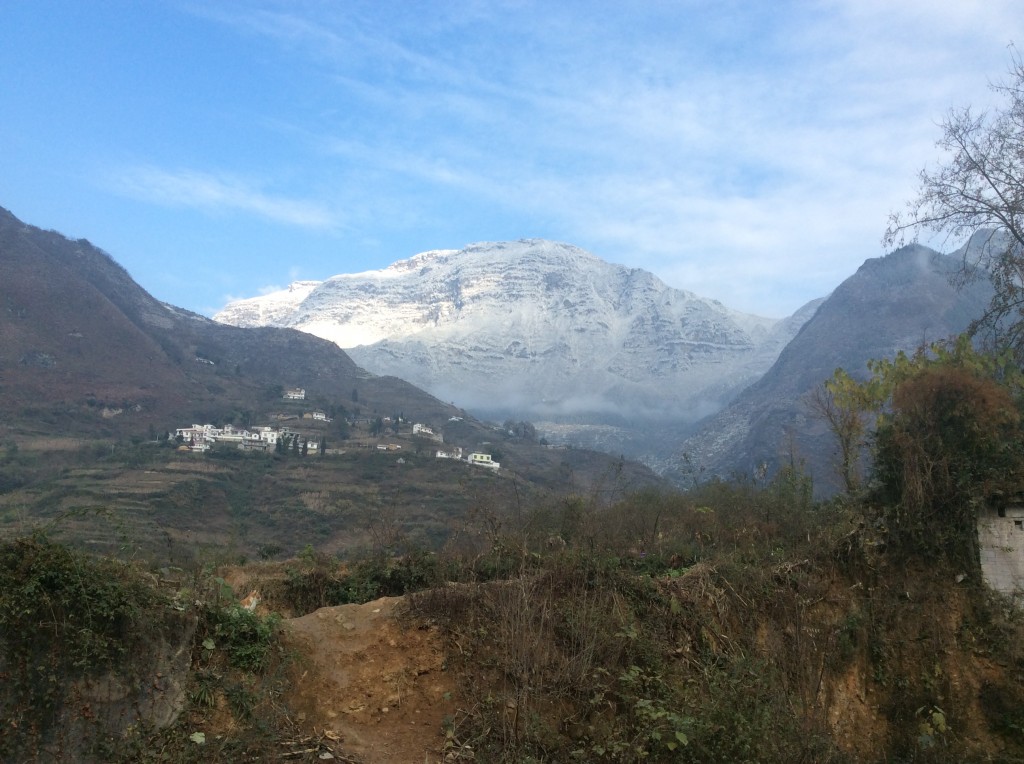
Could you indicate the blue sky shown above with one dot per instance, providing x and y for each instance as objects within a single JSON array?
[{"x": 747, "y": 151}]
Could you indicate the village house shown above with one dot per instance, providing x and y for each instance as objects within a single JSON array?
[
  {"x": 295, "y": 394},
  {"x": 228, "y": 434},
  {"x": 266, "y": 434},
  {"x": 483, "y": 460},
  {"x": 426, "y": 432},
  {"x": 197, "y": 433},
  {"x": 200, "y": 437}
]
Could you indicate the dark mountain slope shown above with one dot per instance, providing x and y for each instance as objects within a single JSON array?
[
  {"x": 80, "y": 340},
  {"x": 85, "y": 352},
  {"x": 892, "y": 303}
]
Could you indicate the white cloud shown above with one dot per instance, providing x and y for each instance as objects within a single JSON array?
[
  {"x": 218, "y": 193},
  {"x": 732, "y": 148}
]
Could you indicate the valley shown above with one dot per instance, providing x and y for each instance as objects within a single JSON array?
[
  {"x": 151, "y": 499},
  {"x": 511, "y": 382},
  {"x": 609, "y": 358},
  {"x": 226, "y": 543},
  {"x": 542, "y": 331}
]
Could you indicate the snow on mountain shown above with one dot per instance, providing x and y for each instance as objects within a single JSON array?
[
  {"x": 274, "y": 308},
  {"x": 535, "y": 329}
]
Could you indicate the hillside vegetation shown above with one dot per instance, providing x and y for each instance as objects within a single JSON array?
[
  {"x": 738, "y": 622},
  {"x": 149, "y": 499}
]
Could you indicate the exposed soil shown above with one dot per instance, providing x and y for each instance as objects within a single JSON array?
[{"x": 374, "y": 680}]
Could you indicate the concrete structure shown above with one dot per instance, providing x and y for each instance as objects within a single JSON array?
[
  {"x": 426, "y": 432},
  {"x": 1001, "y": 541},
  {"x": 483, "y": 460},
  {"x": 266, "y": 434}
]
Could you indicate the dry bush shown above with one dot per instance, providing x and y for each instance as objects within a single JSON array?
[{"x": 952, "y": 442}]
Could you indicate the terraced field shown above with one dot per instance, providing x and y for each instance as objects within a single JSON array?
[{"x": 153, "y": 501}]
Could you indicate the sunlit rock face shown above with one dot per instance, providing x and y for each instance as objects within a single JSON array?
[{"x": 536, "y": 329}]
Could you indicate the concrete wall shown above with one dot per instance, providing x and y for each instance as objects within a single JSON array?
[{"x": 1002, "y": 550}]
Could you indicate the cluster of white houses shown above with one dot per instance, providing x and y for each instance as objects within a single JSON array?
[{"x": 200, "y": 437}]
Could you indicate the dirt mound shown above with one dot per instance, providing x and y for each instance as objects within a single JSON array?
[{"x": 373, "y": 677}]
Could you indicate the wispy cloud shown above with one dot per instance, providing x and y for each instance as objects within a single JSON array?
[
  {"x": 732, "y": 149},
  {"x": 211, "y": 192}
]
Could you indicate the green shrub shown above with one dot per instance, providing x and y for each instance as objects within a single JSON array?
[
  {"x": 51, "y": 595},
  {"x": 246, "y": 638},
  {"x": 951, "y": 442},
  {"x": 320, "y": 581},
  {"x": 63, "y": 615}
]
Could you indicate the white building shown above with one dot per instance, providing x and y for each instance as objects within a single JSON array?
[
  {"x": 198, "y": 433},
  {"x": 228, "y": 434},
  {"x": 1001, "y": 544},
  {"x": 266, "y": 434},
  {"x": 483, "y": 460},
  {"x": 426, "y": 432},
  {"x": 207, "y": 433}
]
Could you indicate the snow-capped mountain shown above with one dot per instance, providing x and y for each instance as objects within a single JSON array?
[{"x": 534, "y": 329}]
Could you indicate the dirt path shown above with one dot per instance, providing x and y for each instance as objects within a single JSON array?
[{"x": 377, "y": 683}]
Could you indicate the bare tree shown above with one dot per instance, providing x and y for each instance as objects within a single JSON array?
[
  {"x": 978, "y": 191},
  {"x": 840, "y": 403}
]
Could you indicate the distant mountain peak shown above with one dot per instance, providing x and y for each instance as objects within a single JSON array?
[
  {"x": 892, "y": 303},
  {"x": 534, "y": 328}
]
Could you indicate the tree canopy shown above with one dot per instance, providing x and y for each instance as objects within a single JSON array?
[{"x": 946, "y": 439}]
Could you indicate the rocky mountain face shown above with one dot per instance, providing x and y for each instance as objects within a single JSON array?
[
  {"x": 597, "y": 354},
  {"x": 537, "y": 330},
  {"x": 892, "y": 303}
]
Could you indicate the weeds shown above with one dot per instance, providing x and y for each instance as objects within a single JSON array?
[
  {"x": 66, "y": 617},
  {"x": 86, "y": 643},
  {"x": 246, "y": 638},
  {"x": 737, "y": 623}
]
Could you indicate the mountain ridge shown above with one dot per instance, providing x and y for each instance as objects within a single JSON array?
[
  {"x": 78, "y": 335},
  {"x": 535, "y": 329},
  {"x": 891, "y": 303}
]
